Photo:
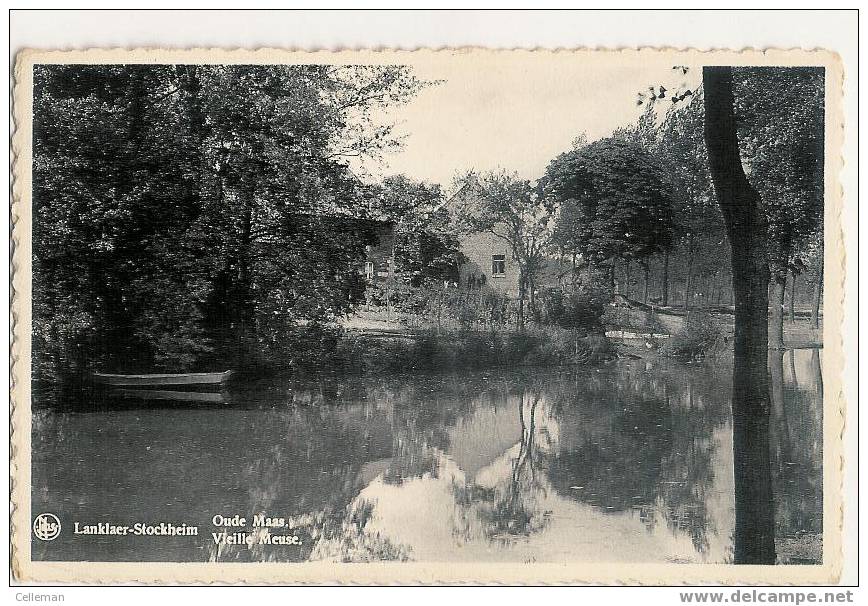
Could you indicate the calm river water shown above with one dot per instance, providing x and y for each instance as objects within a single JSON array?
[{"x": 628, "y": 462}]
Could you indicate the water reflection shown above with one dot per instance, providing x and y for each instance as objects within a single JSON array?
[
  {"x": 797, "y": 465},
  {"x": 630, "y": 462}
]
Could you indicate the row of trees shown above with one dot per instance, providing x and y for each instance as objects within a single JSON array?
[
  {"x": 644, "y": 197},
  {"x": 739, "y": 162}
]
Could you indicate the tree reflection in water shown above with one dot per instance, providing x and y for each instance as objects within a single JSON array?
[
  {"x": 509, "y": 508},
  {"x": 797, "y": 454},
  {"x": 631, "y": 461},
  {"x": 644, "y": 442}
]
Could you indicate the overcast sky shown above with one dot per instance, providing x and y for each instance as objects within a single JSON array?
[{"x": 515, "y": 115}]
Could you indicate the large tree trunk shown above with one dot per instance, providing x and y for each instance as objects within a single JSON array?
[
  {"x": 245, "y": 244},
  {"x": 243, "y": 287},
  {"x": 532, "y": 290},
  {"x": 189, "y": 82},
  {"x": 627, "y": 289},
  {"x": 792, "y": 297},
  {"x": 818, "y": 293},
  {"x": 777, "y": 288},
  {"x": 665, "y": 297},
  {"x": 793, "y": 368},
  {"x": 746, "y": 229},
  {"x": 715, "y": 289}
]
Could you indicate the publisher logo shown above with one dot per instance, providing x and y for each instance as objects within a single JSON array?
[{"x": 46, "y": 526}]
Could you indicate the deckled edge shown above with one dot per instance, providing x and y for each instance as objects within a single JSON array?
[
  {"x": 834, "y": 106},
  {"x": 21, "y": 103},
  {"x": 21, "y": 222}
]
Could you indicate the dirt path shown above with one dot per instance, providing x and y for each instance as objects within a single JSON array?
[{"x": 372, "y": 322}]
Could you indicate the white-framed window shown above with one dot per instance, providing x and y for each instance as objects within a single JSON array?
[
  {"x": 369, "y": 270},
  {"x": 498, "y": 266}
]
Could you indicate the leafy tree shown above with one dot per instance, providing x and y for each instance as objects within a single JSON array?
[
  {"x": 644, "y": 132},
  {"x": 426, "y": 247},
  {"x": 698, "y": 224},
  {"x": 781, "y": 148},
  {"x": 781, "y": 130},
  {"x": 614, "y": 202},
  {"x": 776, "y": 137},
  {"x": 105, "y": 200},
  {"x": 515, "y": 211}
]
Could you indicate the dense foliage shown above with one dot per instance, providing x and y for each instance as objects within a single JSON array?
[
  {"x": 781, "y": 140},
  {"x": 615, "y": 202},
  {"x": 781, "y": 135},
  {"x": 186, "y": 215},
  {"x": 580, "y": 309},
  {"x": 780, "y": 115},
  {"x": 194, "y": 217},
  {"x": 425, "y": 248}
]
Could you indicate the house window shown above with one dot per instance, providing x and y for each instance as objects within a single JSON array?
[
  {"x": 498, "y": 265},
  {"x": 369, "y": 269}
]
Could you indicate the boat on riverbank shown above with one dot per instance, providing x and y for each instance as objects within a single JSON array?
[{"x": 153, "y": 380}]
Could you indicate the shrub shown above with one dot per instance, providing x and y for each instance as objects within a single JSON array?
[
  {"x": 307, "y": 346},
  {"x": 597, "y": 347},
  {"x": 449, "y": 308},
  {"x": 496, "y": 306},
  {"x": 552, "y": 347},
  {"x": 636, "y": 320},
  {"x": 701, "y": 337},
  {"x": 469, "y": 350},
  {"x": 580, "y": 309},
  {"x": 517, "y": 345}
]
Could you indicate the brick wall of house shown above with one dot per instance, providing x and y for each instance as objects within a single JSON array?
[{"x": 479, "y": 249}]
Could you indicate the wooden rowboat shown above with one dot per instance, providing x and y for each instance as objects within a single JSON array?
[{"x": 193, "y": 378}]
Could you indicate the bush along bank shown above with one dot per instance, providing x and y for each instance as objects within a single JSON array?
[
  {"x": 454, "y": 330},
  {"x": 702, "y": 337},
  {"x": 428, "y": 350}
]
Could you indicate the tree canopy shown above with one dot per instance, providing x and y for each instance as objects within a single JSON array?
[
  {"x": 781, "y": 130},
  {"x": 781, "y": 139},
  {"x": 184, "y": 209},
  {"x": 426, "y": 247},
  {"x": 615, "y": 201}
]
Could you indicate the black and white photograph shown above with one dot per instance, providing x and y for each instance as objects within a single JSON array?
[{"x": 447, "y": 308}]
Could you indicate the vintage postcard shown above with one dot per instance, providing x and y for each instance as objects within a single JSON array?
[{"x": 458, "y": 316}]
